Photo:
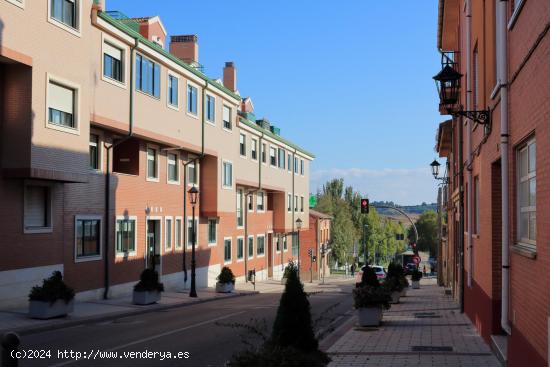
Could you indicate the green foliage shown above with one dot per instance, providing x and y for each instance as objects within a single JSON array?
[
  {"x": 393, "y": 284},
  {"x": 395, "y": 270},
  {"x": 293, "y": 326},
  {"x": 369, "y": 278},
  {"x": 416, "y": 275},
  {"x": 368, "y": 296},
  {"x": 427, "y": 232},
  {"x": 52, "y": 289},
  {"x": 149, "y": 282},
  {"x": 226, "y": 276}
]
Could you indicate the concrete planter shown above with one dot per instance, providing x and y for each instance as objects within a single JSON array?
[
  {"x": 145, "y": 297},
  {"x": 224, "y": 287},
  {"x": 416, "y": 284},
  {"x": 395, "y": 297},
  {"x": 46, "y": 310},
  {"x": 369, "y": 316}
]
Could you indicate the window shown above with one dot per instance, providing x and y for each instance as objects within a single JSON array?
[
  {"x": 285, "y": 245},
  {"x": 278, "y": 244},
  {"x": 190, "y": 232},
  {"x": 191, "y": 99},
  {"x": 112, "y": 62},
  {"x": 476, "y": 205},
  {"x": 178, "y": 233},
  {"x": 192, "y": 176},
  {"x": 227, "y": 118},
  {"x": 210, "y": 108},
  {"x": 260, "y": 201},
  {"x": 212, "y": 235},
  {"x": 250, "y": 202},
  {"x": 302, "y": 204},
  {"x": 65, "y": 11},
  {"x": 264, "y": 147},
  {"x": 254, "y": 150},
  {"x": 172, "y": 91},
  {"x": 87, "y": 237},
  {"x": 227, "y": 250},
  {"x": 289, "y": 163},
  {"x": 260, "y": 245},
  {"x": 125, "y": 235},
  {"x": 94, "y": 151},
  {"x": 282, "y": 155},
  {"x": 295, "y": 164},
  {"x": 147, "y": 76},
  {"x": 240, "y": 217},
  {"x": 168, "y": 232},
  {"x": 173, "y": 171},
  {"x": 240, "y": 248},
  {"x": 272, "y": 157},
  {"x": 37, "y": 216},
  {"x": 152, "y": 163},
  {"x": 227, "y": 174},
  {"x": 295, "y": 245},
  {"x": 527, "y": 216},
  {"x": 289, "y": 203},
  {"x": 250, "y": 247},
  {"x": 61, "y": 105},
  {"x": 302, "y": 167},
  {"x": 295, "y": 203},
  {"x": 242, "y": 145}
]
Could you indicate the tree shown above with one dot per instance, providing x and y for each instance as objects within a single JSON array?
[
  {"x": 344, "y": 233},
  {"x": 427, "y": 232}
]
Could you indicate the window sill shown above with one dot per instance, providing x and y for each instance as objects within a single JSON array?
[
  {"x": 227, "y": 130},
  {"x": 522, "y": 250},
  {"x": 88, "y": 258},
  {"x": 38, "y": 230},
  {"x": 169, "y": 182},
  {"x": 192, "y": 115},
  {"x": 152, "y": 179},
  {"x": 240, "y": 260},
  {"x": 172, "y": 107},
  {"x": 114, "y": 82},
  {"x": 212, "y": 244},
  {"x": 19, "y": 4},
  {"x": 260, "y": 256},
  {"x": 62, "y": 128},
  {"x": 227, "y": 262},
  {"x": 147, "y": 94},
  {"x": 65, "y": 27},
  {"x": 212, "y": 123},
  {"x": 515, "y": 14},
  {"x": 125, "y": 254}
]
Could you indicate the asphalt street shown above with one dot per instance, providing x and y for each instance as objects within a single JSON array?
[{"x": 198, "y": 335}]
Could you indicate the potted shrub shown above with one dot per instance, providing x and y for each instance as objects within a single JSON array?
[
  {"x": 53, "y": 299},
  {"x": 226, "y": 281},
  {"x": 286, "y": 273},
  {"x": 415, "y": 277},
  {"x": 369, "y": 302},
  {"x": 148, "y": 289},
  {"x": 394, "y": 287}
]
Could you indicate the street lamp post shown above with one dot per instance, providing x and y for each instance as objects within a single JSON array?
[
  {"x": 298, "y": 227},
  {"x": 193, "y": 196}
]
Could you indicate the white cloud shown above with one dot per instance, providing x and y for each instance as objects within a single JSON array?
[{"x": 403, "y": 186}]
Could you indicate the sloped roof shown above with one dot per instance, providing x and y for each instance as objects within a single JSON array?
[{"x": 317, "y": 214}]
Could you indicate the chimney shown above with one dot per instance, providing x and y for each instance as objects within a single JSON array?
[
  {"x": 230, "y": 76},
  {"x": 185, "y": 48}
]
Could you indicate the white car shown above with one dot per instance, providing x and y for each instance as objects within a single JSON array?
[{"x": 379, "y": 270}]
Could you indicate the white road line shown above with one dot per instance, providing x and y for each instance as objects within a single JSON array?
[{"x": 154, "y": 337}]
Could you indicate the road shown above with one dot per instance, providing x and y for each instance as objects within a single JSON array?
[{"x": 200, "y": 330}]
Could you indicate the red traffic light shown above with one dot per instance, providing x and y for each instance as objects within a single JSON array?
[{"x": 364, "y": 206}]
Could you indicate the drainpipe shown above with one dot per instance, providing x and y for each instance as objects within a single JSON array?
[
  {"x": 106, "y": 278},
  {"x": 469, "y": 143},
  {"x": 502, "y": 70},
  {"x": 461, "y": 214}
]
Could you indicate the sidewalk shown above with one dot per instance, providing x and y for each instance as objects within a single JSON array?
[{"x": 425, "y": 329}]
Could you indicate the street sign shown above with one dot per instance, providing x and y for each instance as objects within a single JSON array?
[{"x": 312, "y": 201}]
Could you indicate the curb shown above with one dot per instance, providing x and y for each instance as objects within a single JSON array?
[{"x": 116, "y": 315}]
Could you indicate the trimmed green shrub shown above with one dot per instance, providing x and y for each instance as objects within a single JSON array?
[
  {"x": 369, "y": 296},
  {"x": 52, "y": 289},
  {"x": 369, "y": 278},
  {"x": 226, "y": 276},
  {"x": 416, "y": 275},
  {"x": 149, "y": 282}
]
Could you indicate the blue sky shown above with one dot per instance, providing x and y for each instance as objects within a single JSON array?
[{"x": 348, "y": 80}]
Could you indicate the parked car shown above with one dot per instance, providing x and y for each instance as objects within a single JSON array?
[{"x": 379, "y": 270}]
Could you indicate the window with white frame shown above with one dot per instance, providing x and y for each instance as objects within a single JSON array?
[
  {"x": 250, "y": 247},
  {"x": 240, "y": 216},
  {"x": 227, "y": 250},
  {"x": 191, "y": 99},
  {"x": 227, "y": 118},
  {"x": 260, "y": 201},
  {"x": 87, "y": 237},
  {"x": 250, "y": 202},
  {"x": 242, "y": 145},
  {"x": 192, "y": 231},
  {"x": 302, "y": 204},
  {"x": 295, "y": 164},
  {"x": 212, "y": 234},
  {"x": 227, "y": 174},
  {"x": 254, "y": 149},
  {"x": 260, "y": 245},
  {"x": 302, "y": 167},
  {"x": 113, "y": 62},
  {"x": 289, "y": 162},
  {"x": 172, "y": 90},
  {"x": 152, "y": 163},
  {"x": 61, "y": 105},
  {"x": 38, "y": 205},
  {"x": 295, "y": 203},
  {"x": 94, "y": 152},
  {"x": 210, "y": 108},
  {"x": 168, "y": 234},
  {"x": 272, "y": 156},
  {"x": 125, "y": 235},
  {"x": 282, "y": 155},
  {"x": 178, "y": 233},
  {"x": 278, "y": 244},
  {"x": 173, "y": 171},
  {"x": 289, "y": 202},
  {"x": 527, "y": 182},
  {"x": 192, "y": 176},
  {"x": 285, "y": 245},
  {"x": 147, "y": 76},
  {"x": 240, "y": 248},
  {"x": 65, "y": 11},
  {"x": 264, "y": 152}
]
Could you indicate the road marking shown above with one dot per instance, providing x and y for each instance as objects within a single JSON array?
[{"x": 155, "y": 337}]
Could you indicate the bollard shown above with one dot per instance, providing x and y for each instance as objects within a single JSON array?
[{"x": 10, "y": 343}]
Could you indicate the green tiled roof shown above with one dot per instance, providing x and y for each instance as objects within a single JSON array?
[{"x": 276, "y": 137}]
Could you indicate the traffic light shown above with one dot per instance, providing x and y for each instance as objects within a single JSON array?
[
  {"x": 310, "y": 252},
  {"x": 364, "y": 206}
]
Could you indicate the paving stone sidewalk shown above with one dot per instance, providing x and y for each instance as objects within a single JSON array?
[{"x": 411, "y": 334}]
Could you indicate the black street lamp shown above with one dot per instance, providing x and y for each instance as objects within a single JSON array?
[
  {"x": 435, "y": 171},
  {"x": 298, "y": 227},
  {"x": 193, "y": 196}
]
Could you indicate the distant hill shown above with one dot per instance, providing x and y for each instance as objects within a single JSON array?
[{"x": 409, "y": 209}]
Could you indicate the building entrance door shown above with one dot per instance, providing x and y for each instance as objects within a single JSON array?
[{"x": 153, "y": 244}]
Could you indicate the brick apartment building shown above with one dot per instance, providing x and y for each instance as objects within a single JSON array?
[
  {"x": 316, "y": 239},
  {"x": 102, "y": 133},
  {"x": 497, "y": 172}
]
